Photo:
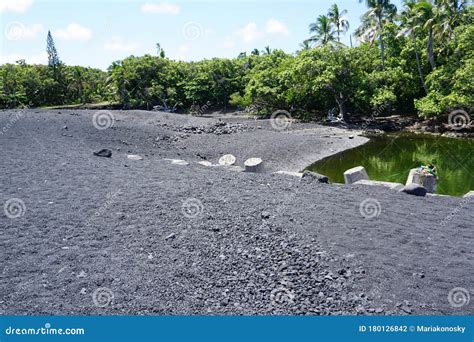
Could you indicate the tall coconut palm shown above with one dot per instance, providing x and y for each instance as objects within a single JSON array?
[
  {"x": 449, "y": 15},
  {"x": 380, "y": 12},
  {"x": 267, "y": 50},
  {"x": 411, "y": 26},
  {"x": 340, "y": 22},
  {"x": 305, "y": 45},
  {"x": 323, "y": 33},
  {"x": 425, "y": 15}
]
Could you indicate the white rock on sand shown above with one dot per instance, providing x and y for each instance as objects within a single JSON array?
[
  {"x": 355, "y": 174},
  {"x": 227, "y": 160},
  {"x": 205, "y": 163},
  {"x": 178, "y": 162},
  {"x": 390, "y": 185},
  {"x": 134, "y": 157},
  {"x": 288, "y": 173},
  {"x": 254, "y": 165}
]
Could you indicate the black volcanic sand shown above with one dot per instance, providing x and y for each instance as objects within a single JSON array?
[{"x": 255, "y": 244}]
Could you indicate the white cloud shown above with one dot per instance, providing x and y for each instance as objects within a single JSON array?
[
  {"x": 274, "y": 26},
  {"x": 119, "y": 44},
  {"x": 18, "y": 6},
  {"x": 16, "y": 30},
  {"x": 74, "y": 32},
  {"x": 250, "y": 33},
  {"x": 162, "y": 8},
  {"x": 41, "y": 58}
]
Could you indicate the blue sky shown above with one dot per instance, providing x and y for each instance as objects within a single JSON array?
[{"x": 95, "y": 33}]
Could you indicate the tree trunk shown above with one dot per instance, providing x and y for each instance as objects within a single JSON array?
[
  {"x": 382, "y": 50},
  {"x": 341, "y": 102},
  {"x": 418, "y": 64},
  {"x": 430, "y": 49},
  {"x": 382, "y": 45}
]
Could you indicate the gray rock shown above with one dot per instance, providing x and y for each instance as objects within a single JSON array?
[
  {"x": 415, "y": 189},
  {"x": 355, "y": 174},
  {"x": 254, "y": 165},
  {"x": 314, "y": 176},
  {"x": 390, "y": 185},
  {"x": 427, "y": 180},
  {"x": 103, "y": 153}
]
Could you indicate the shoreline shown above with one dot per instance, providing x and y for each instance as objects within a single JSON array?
[{"x": 186, "y": 239}]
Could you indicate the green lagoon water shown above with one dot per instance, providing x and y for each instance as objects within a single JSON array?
[{"x": 390, "y": 158}]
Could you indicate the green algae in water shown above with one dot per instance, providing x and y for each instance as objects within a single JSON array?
[{"x": 390, "y": 157}]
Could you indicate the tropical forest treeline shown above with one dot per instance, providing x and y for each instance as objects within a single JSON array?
[{"x": 416, "y": 59}]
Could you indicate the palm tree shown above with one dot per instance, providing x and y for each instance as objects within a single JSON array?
[
  {"x": 380, "y": 12},
  {"x": 323, "y": 31},
  {"x": 267, "y": 50},
  {"x": 425, "y": 16},
  {"x": 411, "y": 26},
  {"x": 338, "y": 19},
  {"x": 305, "y": 45},
  {"x": 255, "y": 52},
  {"x": 451, "y": 11}
]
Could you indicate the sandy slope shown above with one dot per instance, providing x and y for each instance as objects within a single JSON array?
[{"x": 259, "y": 244}]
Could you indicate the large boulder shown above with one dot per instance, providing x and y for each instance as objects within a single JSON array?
[
  {"x": 254, "y": 165},
  {"x": 314, "y": 176},
  {"x": 415, "y": 189},
  {"x": 355, "y": 174}
]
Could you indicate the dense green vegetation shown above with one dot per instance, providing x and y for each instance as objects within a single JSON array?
[{"x": 416, "y": 59}]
